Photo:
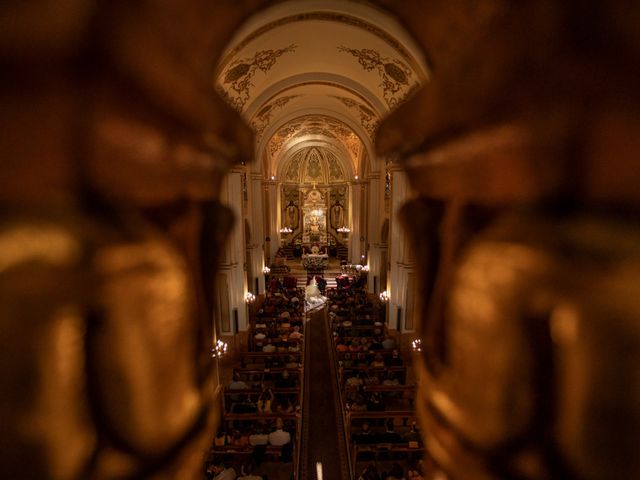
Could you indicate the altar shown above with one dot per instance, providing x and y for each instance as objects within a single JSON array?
[{"x": 315, "y": 262}]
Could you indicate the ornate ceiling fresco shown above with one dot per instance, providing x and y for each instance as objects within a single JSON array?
[
  {"x": 305, "y": 70},
  {"x": 313, "y": 165},
  {"x": 317, "y": 127}
]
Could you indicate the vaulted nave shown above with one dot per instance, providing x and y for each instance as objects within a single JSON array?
[{"x": 320, "y": 239}]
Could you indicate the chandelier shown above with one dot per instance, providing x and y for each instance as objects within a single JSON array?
[
  {"x": 286, "y": 230},
  {"x": 343, "y": 230},
  {"x": 219, "y": 350}
]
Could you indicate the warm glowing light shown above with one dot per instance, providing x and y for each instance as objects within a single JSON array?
[
  {"x": 365, "y": 268},
  {"x": 266, "y": 270},
  {"x": 286, "y": 230},
  {"x": 416, "y": 345},
  {"x": 273, "y": 177},
  {"x": 249, "y": 297},
  {"x": 357, "y": 177},
  {"x": 384, "y": 296},
  {"x": 343, "y": 230},
  {"x": 219, "y": 350}
]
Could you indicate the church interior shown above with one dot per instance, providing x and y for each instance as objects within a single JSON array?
[{"x": 320, "y": 239}]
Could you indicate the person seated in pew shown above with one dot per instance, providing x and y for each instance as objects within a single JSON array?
[
  {"x": 243, "y": 405},
  {"x": 346, "y": 360},
  {"x": 370, "y": 473},
  {"x": 378, "y": 361},
  {"x": 394, "y": 360},
  {"x": 371, "y": 380},
  {"x": 284, "y": 404},
  {"x": 412, "y": 437},
  {"x": 221, "y": 439},
  {"x": 285, "y": 380},
  {"x": 239, "y": 440},
  {"x": 279, "y": 436},
  {"x": 375, "y": 403},
  {"x": 359, "y": 404},
  {"x": 223, "y": 472},
  {"x": 264, "y": 401},
  {"x": 355, "y": 380},
  {"x": 388, "y": 343},
  {"x": 291, "y": 362},
  {"x": 396, "y": 473},
  {"x": 365, "y": 436},
  {"x": 296, "y": 334},
  {"x": 247, "y": 473},
  {"x": 390, "y": 435},
  {"x": 256, "y": 381},
  {"x": 259, "y": 437},
  {"x": 237, "y": 383},
  {"x": 391, "y": 380}
]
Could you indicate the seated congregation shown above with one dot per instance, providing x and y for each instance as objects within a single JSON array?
[
  {"x": 378, "y": 401},
  {"x": 262, "y": 404}
]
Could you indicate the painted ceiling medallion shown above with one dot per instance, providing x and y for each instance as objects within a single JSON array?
[
  {"x": 395, "y": 74},
  {"x": 237, "y": 78}
]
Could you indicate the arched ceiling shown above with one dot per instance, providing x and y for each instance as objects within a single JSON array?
[{"x": 311, "y": 70}]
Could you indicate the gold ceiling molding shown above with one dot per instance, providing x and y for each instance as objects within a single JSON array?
[
  {"x": 317, "y": 125},
  {"x": 313, "y": 165},
  {"x": 262, "y": 119},
  {"x": 331, "y": 17},
  {"x": 324, "y": 83},
  {"x": 238, "y": 76},
  {"x": 395, "y": 74},
  {"x": 368, "y": 118}
]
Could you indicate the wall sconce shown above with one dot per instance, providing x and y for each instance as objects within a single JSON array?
[
  {"x": 384, "y": 296},
  {"x": 266, "y": 270},
  {"x": 286, "y": 230},
  {"x": 416, "y": 345},
  {"x": 219, "y": 350},
  {"x": 344, "y": 230},
  {"x": 249, "y": 297}
]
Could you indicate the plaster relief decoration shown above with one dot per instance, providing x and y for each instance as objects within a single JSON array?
[
  {"x": 395, "y": 74},
  {"x": 368, "y": 118},
  {"x": 313, "y": 172},
  {"x": 317, "y": 125},
  {"x": 338, "y": 211},
  {"x": 291, "y": 209},
  {"x": 293, "y": 169},
  {"x": 237, "y": 77},
  {"x": 284, "y": 134},
  {"x": 335, "y": 170},
  {"x": 263, "y": 117}
]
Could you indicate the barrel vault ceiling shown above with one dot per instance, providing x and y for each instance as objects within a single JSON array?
[{"x": 318, "y": 73}]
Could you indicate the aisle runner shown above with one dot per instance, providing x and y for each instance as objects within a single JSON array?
[{"x": 322, "y": 432}]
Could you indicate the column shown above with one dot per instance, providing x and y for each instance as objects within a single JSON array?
[
  {"x": 272, "y": 217},
  {"x": 377, "y": 246},
  {"x": 256, "y": 244},
  {"x": 402, "y": 266},
  {"x": 232, "y": 264},
  {"x": 355, "y": 215}
]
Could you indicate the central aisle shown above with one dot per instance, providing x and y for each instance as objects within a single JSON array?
[{"x": 322, "y": 430}]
